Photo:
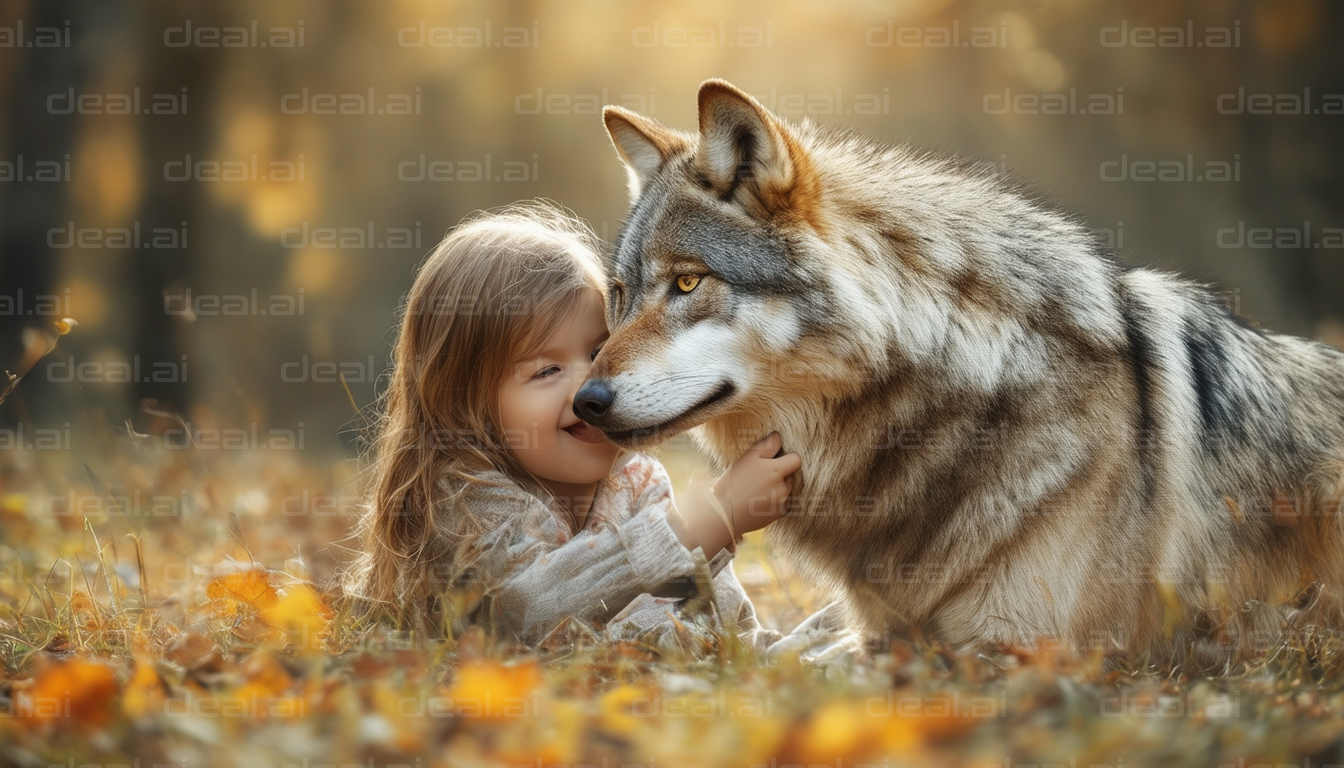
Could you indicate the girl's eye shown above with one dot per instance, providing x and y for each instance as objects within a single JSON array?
[
  {"x": 687, "y": 283},
  {"x": 593, "y": 356},
  {"x": 544, "y": 372}
]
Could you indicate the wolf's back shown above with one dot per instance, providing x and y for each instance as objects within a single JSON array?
[{"x": 1220, "y": 443}]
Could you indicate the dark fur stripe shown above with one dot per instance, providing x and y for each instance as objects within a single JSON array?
[
  {"x": 1219, "y": 411},
  {"x": 1141, "y": 360}
]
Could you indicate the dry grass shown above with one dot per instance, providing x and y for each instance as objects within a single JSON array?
[{"x": 167, "y": 604}]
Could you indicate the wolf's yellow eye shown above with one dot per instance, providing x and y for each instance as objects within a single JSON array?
[{"x": 687, "y": 283}]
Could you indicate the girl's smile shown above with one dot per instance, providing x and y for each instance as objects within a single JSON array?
[
  {"x": 536, "y": 405},
  {"x": 582, "y": 430}
]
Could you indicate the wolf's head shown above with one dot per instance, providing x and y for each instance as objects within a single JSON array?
[
  {"x": 770, "y": 271},
  {"x": 711, "y": 295}
]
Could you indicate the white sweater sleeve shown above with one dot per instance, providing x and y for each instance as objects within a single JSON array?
[{"x": 534, "y": 582}]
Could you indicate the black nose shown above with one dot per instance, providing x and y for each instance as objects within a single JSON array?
[{"x": 592, "y": 401}]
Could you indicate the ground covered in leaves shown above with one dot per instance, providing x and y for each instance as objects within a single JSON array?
[{"x": 169, "y": 605}]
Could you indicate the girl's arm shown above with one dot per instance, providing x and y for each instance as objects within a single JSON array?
[
  {"x": 535, "y": 582},
  {"x": 535, "y": 578}
]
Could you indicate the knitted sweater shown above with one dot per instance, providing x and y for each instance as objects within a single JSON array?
[{"x": 625, "y": 569}]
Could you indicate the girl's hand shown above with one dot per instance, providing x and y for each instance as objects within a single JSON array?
[
  {"x": 748, "y": 497},
  {"x": 754, "y": 489}
]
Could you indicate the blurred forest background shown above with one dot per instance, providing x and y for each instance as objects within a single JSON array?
[
  {"x": 231, "y": 198},
  {"x": 237, "y": 248}
]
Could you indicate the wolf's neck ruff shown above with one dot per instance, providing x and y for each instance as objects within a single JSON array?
[{"x": 1005, "y": 432}]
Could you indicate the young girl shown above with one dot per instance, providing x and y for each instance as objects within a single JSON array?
[{"x": 491, "y": 502}]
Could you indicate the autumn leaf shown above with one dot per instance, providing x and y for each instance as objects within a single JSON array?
[
  {"x": 145, "y": 693},
  {"x": 265, "y": 691},
  {"x": 264, "y": 676},
  {"x": 562, "y": 736},
  {"x": 302, "y": 614},
  {"x": 905, "y": 734},
  {"x": 75, "y": 691},
  {"x": 836, "y": 733},
  {"x": 619, "y": 708},
  {"x": 491, "y": 689},
  {"x": 251, "y": 587},
  {"x": 192, "y": 651},
  {"x": 404, "y": 729},
  {"x": 81, "y": 605}
]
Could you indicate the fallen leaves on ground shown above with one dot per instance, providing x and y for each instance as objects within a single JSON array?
[{"x": 214, "y": 642}]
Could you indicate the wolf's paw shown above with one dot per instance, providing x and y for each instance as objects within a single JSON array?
[{"x": 821, "y": 639}]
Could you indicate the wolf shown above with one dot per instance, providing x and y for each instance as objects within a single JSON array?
[{"x": 1008, "y": 436}]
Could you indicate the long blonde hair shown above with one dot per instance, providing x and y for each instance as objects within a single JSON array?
[{"x": 489, "y": 294}]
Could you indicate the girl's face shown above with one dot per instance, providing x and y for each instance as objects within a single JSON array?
[{"x": 536, "y": 404}]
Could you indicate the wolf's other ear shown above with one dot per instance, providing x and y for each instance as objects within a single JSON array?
[
  {"x": 740, "y": 141},
  {"x": 643, "y": 143}
]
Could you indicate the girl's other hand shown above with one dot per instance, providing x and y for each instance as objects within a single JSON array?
[{"x": 755, "y": 488}]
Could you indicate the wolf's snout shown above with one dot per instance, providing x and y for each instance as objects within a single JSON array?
[{"x": 593, "y": 400}]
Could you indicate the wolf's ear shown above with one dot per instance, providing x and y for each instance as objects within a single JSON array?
[
  {"x": 740, "y": 141},
  {"x": 643, "y": 143}
]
